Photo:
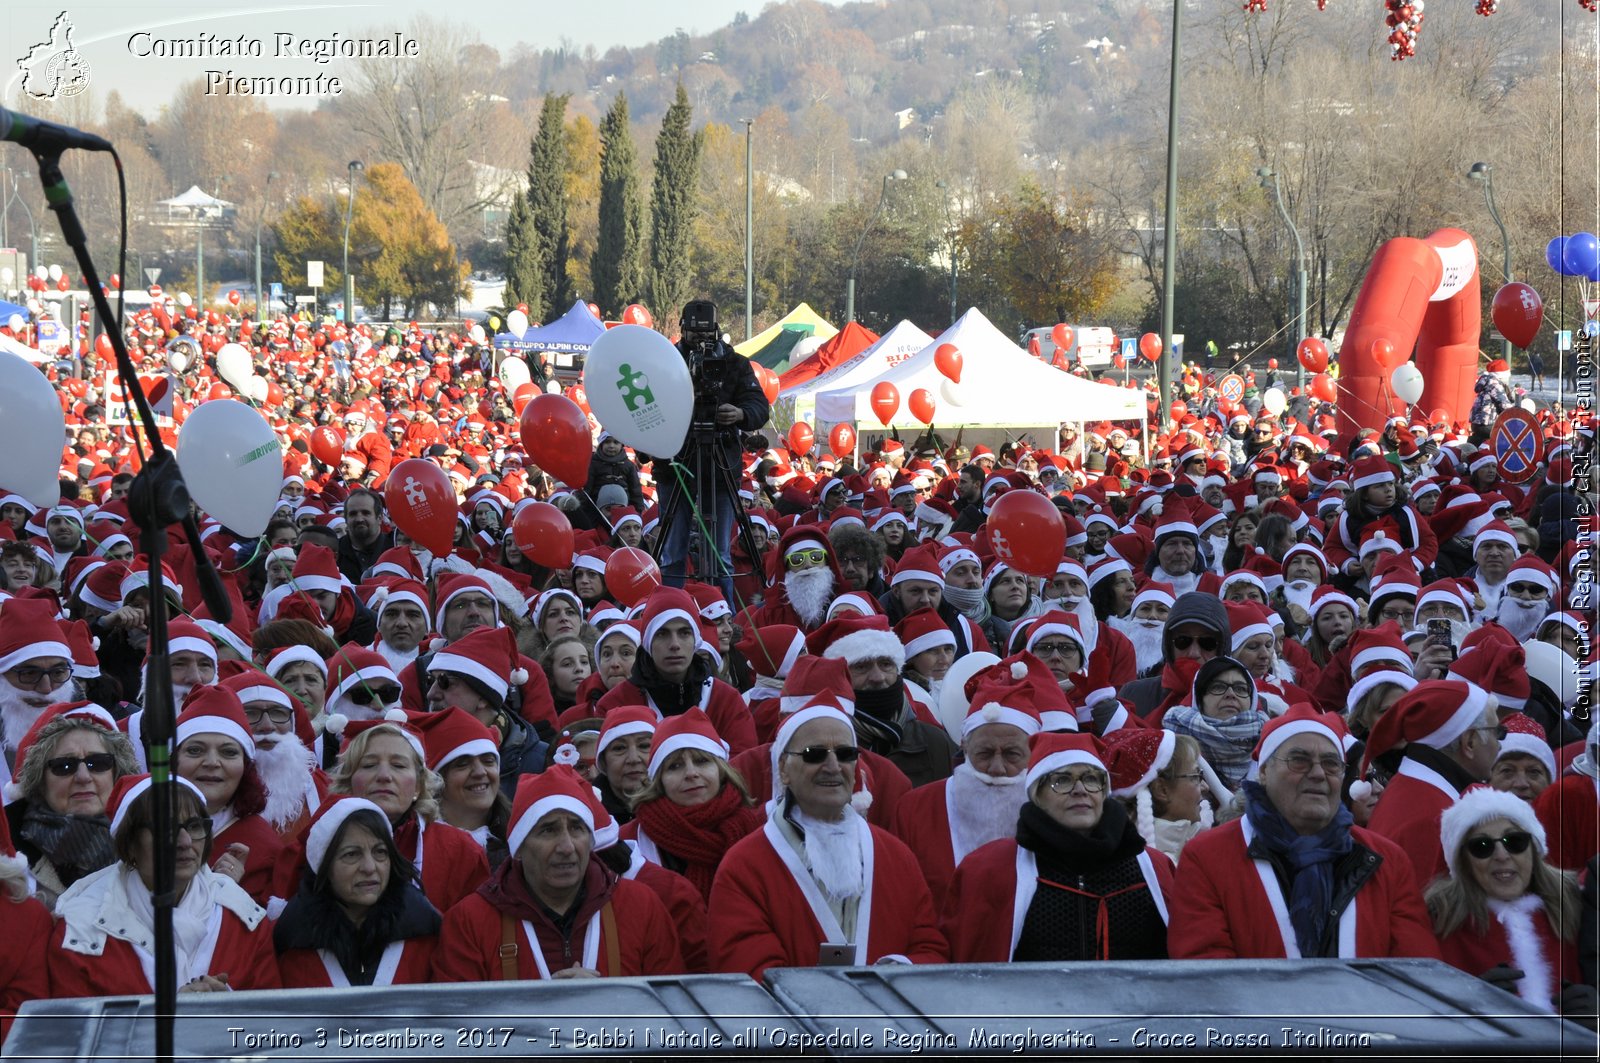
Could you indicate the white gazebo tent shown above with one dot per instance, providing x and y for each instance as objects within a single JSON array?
[{"x": 892, "y": 348}]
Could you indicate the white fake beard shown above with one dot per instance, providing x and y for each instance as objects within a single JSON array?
[
  {"x": 1521, "y": 618},
  {"x": 1088, "y": 622},
  {"x": 1181, "y": 585},
  {"x": 1491, "y": 593},
  {"x": 397, "y": 659},
  {"x": 1282, "y": 670},
  {"x": 1146, "y": 638},
  {"x": 833, "y": 852},
  {"x": 285, "y": 768},
  {"x": 20, "y": 710},
  {"x": 1299, "y": 593},
  {"x": 809, "y": 591},
  {"x": 986, "y": 807}
]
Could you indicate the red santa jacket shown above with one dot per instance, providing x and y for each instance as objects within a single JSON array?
[
  {"x": 266, "y": 850},
  {"x": 405, "y": 962},
  {"x": 922, "y": 821},
  {"x": 26, "y": 927},
  {"x": 469, "y": 943},
  {"x": 374, "y": 449},
  {"x": 719, "y": 701},
  {"x": 1226, "y": 905},
  {"x": 450, "y": 863},
  {"x": 1408, "y": 814},
  {"x": 767, "y": 911},
  {"x": 880, "y": 777},
  {"x": 1518, "y": 935},
  {"x": 1570, "y": 812},
  {"x": 685, "y": 907},
  {"x": 992, "y": 890}
]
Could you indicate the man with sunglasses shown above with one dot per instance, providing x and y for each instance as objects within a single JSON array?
[
  {"x": 1450, "y": 732},
  {"x": 1195, "y": 632},
  {"x": 1294, "y": 877},
  {"x": 809, "y": 581}
]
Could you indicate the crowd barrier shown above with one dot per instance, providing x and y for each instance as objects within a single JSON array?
[{"x": 1370, "y": 1010}]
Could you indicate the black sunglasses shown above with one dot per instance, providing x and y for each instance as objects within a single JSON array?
[
  {"x": 1481, "y": 847},
  {"x": 367, "y": 695},
  {"x": 818, "y": 754},
  {"x": 66, "y": 767},
  {"x": 1207, "y": 643}
]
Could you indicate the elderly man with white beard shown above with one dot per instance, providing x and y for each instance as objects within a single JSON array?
[
  {"x": 1529, "y": 585},
  {"x": 1176, "y": 557},
  {"x": 1145, "y": 624},
  {"x": 946, "y": 820},
  {"x": 810, "y": 579},
  {"x": 192, "y": 662},
  {"x": 36, "y": 664},
  {"x": 283, "y": 760}
]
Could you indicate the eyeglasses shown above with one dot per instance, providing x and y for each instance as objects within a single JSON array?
[
  {"x": 277, "y": 714},
  {"x": 1207, "y": 643},
  {"x": 1299, "y": 763},
  {"x": 29, "y": 676},
  {"x": 1499, "y": 732},
  {"x": 66, "y": 767},
  {"x": 386, "y": 695},
  {"x": 1188, "y": 776},
  {"x": 1396, "y": 616},
  {"x": 1062, "y": 783},
  {"x": 802, "y": 558},
  {"x": 196, "y": 827},
  {"x": 1055, "y": 649},
  {"x": 1239, "y": 690},
  {"x": 818, "y": 754},
  {"x": 1481, "y": 846}
]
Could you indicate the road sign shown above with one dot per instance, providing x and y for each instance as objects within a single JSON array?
[
  {"x": 1591, "y": 307},
  {"x": 314, "y": 274},
  {"x": 1564, "y": 340},
  {"x": 1518, "y": 447},
  {"x": 1231, "y": 388},
  {"x": 151, "y": 275},
  {"x": 1130, "y": 350}
]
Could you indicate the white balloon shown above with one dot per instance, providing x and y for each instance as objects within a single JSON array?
[
  {"x": 517, "y": 323},
  {"x": 234, "y": 366},
  {"x": 181, "y": 354},
  {"x": 1529, "y": 405},
  {"x": 476, "y": 334},
  {"x": 1407, "y": 383},
  {"x": 513, "y": 374},
  {"x": 552, "y": 387},
  {"x": 185, "y": 299},
  {"x": 54, "y": 273},
  {"x": 232, "y": 463},
  {"x": 32, "y": 427},
  {"x": 1273, "y": 400},
  {"x": 952, "y": 695},
  {"x": 41, "y": 272},
  {"x": 638, "y": 387},
  {"x": 15, "y": 322},
  {"x": 257, "y": 389},
  {"x": 952, "y": 393}
]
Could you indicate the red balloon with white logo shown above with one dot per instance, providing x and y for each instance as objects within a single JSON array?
[
  {"x": 1062, "y": 334},
  {"x": 1313, "y": 354},
  {"x": 885, "y": 401},
  {"x": 636, "y": 314},
  {"x": 802, "y": 437},
  {"x": 327, "y": 445},
  {"x": 1517, "y": 312},
  {"x": 234, "y": 297},
  {"x": 544, "y": 534},
  {"x": 631, "y": 574},
  {"x": 1026, "y": 532},
  {"x": 422, "y": 504},
  {"x": 842, "y": 440}
]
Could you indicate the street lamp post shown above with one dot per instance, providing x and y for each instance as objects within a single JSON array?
[
  {"x": 261, "y": 299},
  {"x": 1482, "y": 171},
  {"x": 354, "y": 167},
  {"x": 1169, "y": 254},
  {"x": 955, "y": 260},
  {"x": 1297, "y": 330},
  {"x": 855, "y": 256},
  {"x": 749, "y": 230}
]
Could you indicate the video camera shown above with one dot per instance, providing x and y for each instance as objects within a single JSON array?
[{"x": 710, "y": 359}]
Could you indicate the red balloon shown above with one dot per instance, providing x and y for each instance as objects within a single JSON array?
[
  {"x": 327, "y": 445},
  {"x": 1322, "y": 387},
  {"x": 1118, "y": 362},
  {"x": 1439, "y": 416},
  {"x": 631, "y": 574},
  {"x": 219, "y": 390},
  {"x": 1272, "y": 363},
  {"x": 801, "y": 438},
  {"x": 576, "y": 394},
  {"x": 102, "y": 347},
  {"x": 769, "y": 383},
  {"x": 1060, "y": 362},
  {"x": 842, "y": 440},
  {"x": 1026, "y": 532},
  {"x": 1385, "y": 354},
  {"x": 922, "y": 405},
  {"x": 1150, "y": 346},
  {"x": 116, "y": 282},
  {"x": 947, "y": 357},
  {"x": 594, "y": 308},
  {"x": 1517, "y": 312},
  {"x": 636, "y": 315},
  {"x": 519, "y": 398},
  {"x": 234, "y": 296},
  {"x": 63, "y": 284},
  {"x": 544, "y": 534},
  {"x": 1313, "y": 354},
  {"x": 422, "y": 504},
  {"x": 885, "y": 401},
  {"x": 556, "y": 435},
  {"x": 1062, "y": 334},
  {"x": 274, "y": 394},
  {"x": 1180, "y": 409},
  {"x": 1033, "y": 346}
]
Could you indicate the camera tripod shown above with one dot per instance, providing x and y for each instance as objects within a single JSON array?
[{"x": 695, "y": 484}]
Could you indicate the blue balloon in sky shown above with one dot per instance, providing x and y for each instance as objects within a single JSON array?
[
  {"x": 1554, "y": 252},
  {"x": 1582, "y": 254}
]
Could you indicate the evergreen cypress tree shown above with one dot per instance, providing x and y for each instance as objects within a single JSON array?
[
  {"x": 672, "y": 203},
  {"x": 617, "y": 265},
  {"x": 522, "y": 265},
  {"x": 547, "y": 211}
]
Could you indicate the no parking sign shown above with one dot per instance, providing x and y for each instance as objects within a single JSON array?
[{"x": 1518, "y": 447}]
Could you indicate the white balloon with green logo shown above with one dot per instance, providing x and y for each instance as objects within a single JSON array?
[
  {"x": 639, "y": 389},
  {"x": 232, "y": 463}
]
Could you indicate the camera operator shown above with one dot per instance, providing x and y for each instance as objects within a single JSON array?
[{"x": 727, "y": 400}]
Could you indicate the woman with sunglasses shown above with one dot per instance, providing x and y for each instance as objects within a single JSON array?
[
  {"x": 1502, "y": 910},
  {"x": 56, "y": 806},
  {"x": 1224, "y": 714},
  {"x": 695, "y": 807},
  {"x": 1076, "y": 883},
  {"x": 479, "y": 673},
  {"x": 105, "y": 924}
]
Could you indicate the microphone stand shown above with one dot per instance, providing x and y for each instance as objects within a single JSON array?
[{"x": 157, "y": 499}]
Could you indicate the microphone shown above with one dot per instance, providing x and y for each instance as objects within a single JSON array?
[{"x": 40, "y": 135}]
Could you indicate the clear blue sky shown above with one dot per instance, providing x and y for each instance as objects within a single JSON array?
[{"x": 102, "y": 33}]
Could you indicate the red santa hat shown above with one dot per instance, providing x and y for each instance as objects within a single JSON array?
[
  {"x": 214, "y": 710},
  {"x": 1495, "y": 661},
  {"x": 452, "y": 585},
  {"x": 923, "y": 630},
  {"x": 1370, "y": 472},
  {"x": 1154, "y": 591},
  {"x": 128, "y": 789},
  {"x": 625, "y": 721},
  {"x": 556, "y": 789},
  {"x": 488, "y": 655},
  {"x": 353, "y": 666},
  {"x": 687, "y": 730},
  {"x": 857, "y": 638},
  {"x": 773, "y": 650},
  {"x": 1300, "y": 719},
  {"x": 85, "y": 711},
  {"x": 1103, "y": 569},
  {"x": 28, "y": 630},
  {"x": 284, "y": 656},
  {"x": 665, "y": 605},
  {"x": 398, "y": 561},
  {"x": 812, "y": 677},
  {"x": 1434, "y": 713},
  {"x": 955, "y": 553},
  {"x": 1387, "y": 675},
  {"x": 919, "y": 563},
  {"x": 1478, "y": 806},
  {"x": 1003, "y": 697},
  {"x": 1374, "y": 645},
  {"x": 1496, "y": 531},
  {"x": 400, "y": 590},
  {"x": 1576, "y": 622},
  {"x": 1529, "y": 569},
  {"x": 709, "y": 600},
  {"x": 819, "y": 707},
  {"x": 1525, "y": 736},
  {"x": 454, "y": 733},
  {"x": 327, "y": 820},
  {"x": 316, "y": 570},
  {"x": 1050, "y": 751},
  {"x": 593, "y": 559},
  {"x": 1447, "y": 592},
  {"x": 1326, "y": 595},
  {"x": 1247, "y": 620}
]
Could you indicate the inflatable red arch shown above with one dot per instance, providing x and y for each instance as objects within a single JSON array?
[{"x": 1418, "y": 292}]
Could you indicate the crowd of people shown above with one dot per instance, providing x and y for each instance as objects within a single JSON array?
[{"x": 1287, "y": 693}]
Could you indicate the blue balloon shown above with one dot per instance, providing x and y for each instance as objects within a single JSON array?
[
  {"x": 1554, "y": 252},
  {"x": 1582, "y": 255}
]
